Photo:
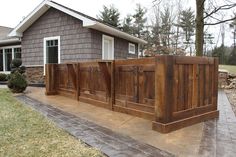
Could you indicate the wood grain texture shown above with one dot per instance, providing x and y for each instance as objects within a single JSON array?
[{"x": 170, "y": 90}]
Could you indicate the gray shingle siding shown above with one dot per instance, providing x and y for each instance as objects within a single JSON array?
[{"x": 77, "y": 43}]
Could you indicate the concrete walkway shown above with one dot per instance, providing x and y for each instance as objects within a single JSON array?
[
  {"x": 203, "y": 139},
  {"x": 219, "y": 136}
]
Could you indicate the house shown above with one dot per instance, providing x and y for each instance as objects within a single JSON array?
[
  {"x": 53, "y": 33},
  {"x": 9, "y": 48}
]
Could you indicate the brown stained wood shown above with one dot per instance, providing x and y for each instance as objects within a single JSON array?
[
  {"x": 78, "y": 82},
  {"x": 192, "y": 112},
  {"x": 193, "y": 60},
  {"x": 112, "y": 72},
  {"x": 141, "y": 86},
  {"x": 138, "y": 113},
  {"x": 136, "y": 84},
  {"x": 215, "y": 84},
  {"x": 201, "y": 85},
  {"x": 164, "y": 88},
  {"x": 207, "y": 82},
  {"x": 185, "y": 86},
  {"x": 106, "y": 75},
  {"x": 180, "y": 100},
  {"x": 190, "y": 86},
  {"x": 72, "y": 74},
  {"x": 94, "y": 102},
  {"x": 173, "y": 91},
  {"x": 143, "y": 61},
  {"x": 175, "y": 125},
  {"x": 195, "y": 86}
]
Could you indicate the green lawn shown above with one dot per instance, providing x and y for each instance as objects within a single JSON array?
[
  {"x": 230, "y": 68},
  {"x": 24, "y": 132}
]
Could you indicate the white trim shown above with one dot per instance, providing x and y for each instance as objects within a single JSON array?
[
  {"x": 87, "y": 22},
  {"x": 9, "y": 41},
  {"x": 44, "y": 49},
  {"x": 113, "y": 31},
  {"x": 5, "y": 72},
  {"x": 132, "y": 52},
  {"x": 112, "y": 45},
  {"x": 7, "y": 47}
]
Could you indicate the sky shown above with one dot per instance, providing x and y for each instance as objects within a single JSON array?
[{"x": 11, "y": 15}]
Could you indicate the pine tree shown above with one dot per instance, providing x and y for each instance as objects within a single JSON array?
[
  {"x": 110, "y": 15},
  {"x": 127, "y": 24},
  {"x": 139, "y": 20}
]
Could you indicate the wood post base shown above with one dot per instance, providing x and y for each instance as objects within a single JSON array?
[{"x": 172, "y": 126}]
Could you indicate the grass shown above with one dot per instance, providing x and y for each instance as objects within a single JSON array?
[
  {"x": 230, "y": 68},
  {"x": 24, "y": 133}
]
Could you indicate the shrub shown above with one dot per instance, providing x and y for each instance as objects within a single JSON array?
[
  {"x": 16, "y": 63},
  {"x": 17, "y": 81},
  {"x": 3, "y": 77}
]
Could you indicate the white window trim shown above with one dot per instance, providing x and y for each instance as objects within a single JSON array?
[
  {"x": 4, "y": 59},
  {"x": 112, "y": 41},
  {"x": 44, "y": 49},
  {"x": 131, "y": 52}
]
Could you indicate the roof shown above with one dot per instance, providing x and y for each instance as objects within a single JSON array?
[
  {"x": 4, "y": 38},
  {"x": 88, "y": 22}
]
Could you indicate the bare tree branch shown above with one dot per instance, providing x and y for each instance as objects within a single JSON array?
[
  {"x": 216, "y": 9},
  {"x": 216, "y": 23}
]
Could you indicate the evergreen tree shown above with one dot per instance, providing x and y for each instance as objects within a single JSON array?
[
  {"x": 166, "y": 24},
  {"x": 110, "y": 15},
  {"x": 187, "y": 23},
  {"x": 127, "y": 24},
  {"x": 139, "y": 20}
]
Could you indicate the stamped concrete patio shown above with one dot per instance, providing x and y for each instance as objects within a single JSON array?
[{"x": 212, "y": 138}]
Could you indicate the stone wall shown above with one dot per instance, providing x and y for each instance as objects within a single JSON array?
[{"x": 34, "y": 75}]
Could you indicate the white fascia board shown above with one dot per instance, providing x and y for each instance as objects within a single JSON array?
[
  {"x": 31, "y": 18},
  {"x": 9, "y": 41},
  {"x": 86, "y": 22},
  {"x": 107, "y": 29}
]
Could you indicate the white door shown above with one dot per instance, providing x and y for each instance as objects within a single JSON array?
[{"x": 108, "y": 48}]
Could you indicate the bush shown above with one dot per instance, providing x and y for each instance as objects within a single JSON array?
[
  {"x": 17, "y": 81},
  {"x": 15, "y": 63},
  {"x": 3, "y": 77}
]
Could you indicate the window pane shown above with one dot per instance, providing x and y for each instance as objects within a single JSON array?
[
  {"x": 132, "y": 48},
  {"x": 52, "y": 51},
  {"x": 17, "y": 53},
  {"x": 8, "y": 59},
  {"x": 1, "y": 60}
]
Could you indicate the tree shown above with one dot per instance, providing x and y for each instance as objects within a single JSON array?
[
  {"x": 139, "y": 20},
  {"x": 187, "y": 23},
  {"x": 199, "y": 38},
  {"x": 232, "y": 57},
  {"x": 110, "y": 15},
  {"x": 127, "y": 24},
  {"x": 209, "y": 14},
  {"x": 166, "y": 24}
]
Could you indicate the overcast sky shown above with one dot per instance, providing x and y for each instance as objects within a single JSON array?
[{"x": 13, "y": 11}]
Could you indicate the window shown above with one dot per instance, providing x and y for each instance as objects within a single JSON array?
[
  {"x": 131, "y": 48},
  {"x": 6, "y": 56},
  {"x": 107, "y": 47},
  {"x": 17, "y": 53},
  {"x": 51, "y": 50},
  {"x": 1, "y": 60},
  {"x": 8, "y": 59}
]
